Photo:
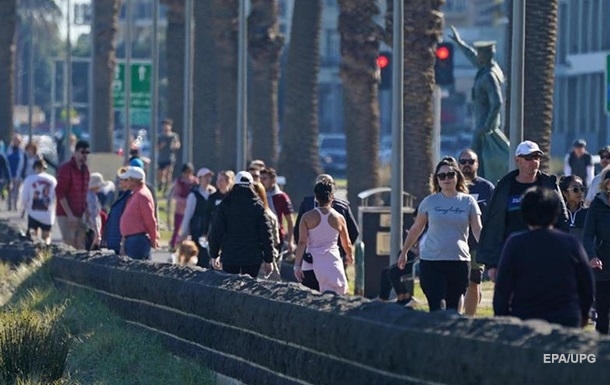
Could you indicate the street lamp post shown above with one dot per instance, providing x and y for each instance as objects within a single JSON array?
[
  {"x": 68, "y": 82},
  {"x": 187, "y": 130},
  {"x": 242, "y": 97},
  {"x": 516, "y": 87}
]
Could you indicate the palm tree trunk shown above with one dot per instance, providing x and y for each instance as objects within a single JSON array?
[
  {"x": 225, "y": 33},
  {"x": 8, "y": 15},
  {"x": 205, "y": 123},
  {"x": 539, "y": 72},
  {"x": 299, "y": 160},
  {"x": 174, "y": 51},
  {"x": 105, "y": 29},
  {"x": 359, "y": 74},
  {"x": 265, "y": 46},
  {"x": 423, "y": 29}
]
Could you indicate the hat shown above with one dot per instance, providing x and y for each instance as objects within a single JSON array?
[
  {"x": 244, "y": 178},
  {"x": 136, "y": 162},
  {"x": 96, "y": 180},
  {"x": 204, "y": 171},
  {"x": 133, "y": 173},
  {"x": 604, "y": 150},
  {"x": 580, "y": 143},
  {"x": 527, "y": 147},
  {"x": 488, "y": 45}
]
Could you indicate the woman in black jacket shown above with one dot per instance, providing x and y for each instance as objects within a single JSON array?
[
  {"x": 241, "y": 236},
  {"x": 596, "y": 239}
]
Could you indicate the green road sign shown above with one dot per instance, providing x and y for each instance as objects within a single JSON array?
[
  {"x": 608, "y": 84},
  {"x": 140, "y": 86}
]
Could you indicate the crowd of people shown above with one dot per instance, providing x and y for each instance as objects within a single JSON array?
[{"x": 545, "y": 242}]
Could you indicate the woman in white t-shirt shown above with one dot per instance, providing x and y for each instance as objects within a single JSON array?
[{"x": 449, "y": 211}]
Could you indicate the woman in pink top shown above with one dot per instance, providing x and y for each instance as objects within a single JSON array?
[
  {"x": 180, "y": 191},
  {"x": 318, "y": 233}
]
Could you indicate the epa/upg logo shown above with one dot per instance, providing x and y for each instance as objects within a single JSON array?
[{"x": 573, "y": 358}]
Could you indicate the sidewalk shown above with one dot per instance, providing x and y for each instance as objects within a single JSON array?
[{"x": 161, "y": 255}]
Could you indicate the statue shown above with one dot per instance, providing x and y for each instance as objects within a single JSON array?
[{"x": 488, "y": 141}]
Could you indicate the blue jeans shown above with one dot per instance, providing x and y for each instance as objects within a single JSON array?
[{"x": 137, "y": 246}]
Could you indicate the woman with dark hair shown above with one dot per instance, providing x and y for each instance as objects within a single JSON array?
[
  {"x": 574, "y": 191},
  {"x": 543, "y": 273},
  {"x": 318, "y": 233},
  {"x": 596, "y": 239},
  {"x": 449, "y": 211},
  {"x": 180, "y": 191}
]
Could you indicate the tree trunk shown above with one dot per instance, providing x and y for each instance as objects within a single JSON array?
[
  {"x": 105, "y": 29},
  {"x": 539, "y": 72},
  {"x": 174, "y": 50},
  {"x": 423, "y": 29},
  {"x": 205, "y": 123},
  {"x": 265, "y": 46},
  {"x": 225, "y": 34},
  {"x": 8, "y": 15},
  {"x": 359, "y": 75},
  {"x": 299, "y": 160}
]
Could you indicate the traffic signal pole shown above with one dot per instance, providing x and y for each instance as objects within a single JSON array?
[
  {"x": 397, "y": 185},
  {"x": 516, "y": 76},
  {"x": 242, "y": 81}
]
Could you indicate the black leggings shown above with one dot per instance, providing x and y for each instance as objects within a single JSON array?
[
  {"x": 602, "y": 306},
  {"x": 251, "y": 270},
  {"x": 444, "y": 280}
]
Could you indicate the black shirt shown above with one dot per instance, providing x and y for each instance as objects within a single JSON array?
[{"x": 514, "y": 220}]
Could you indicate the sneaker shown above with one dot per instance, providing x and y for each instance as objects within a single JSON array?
[{"x": 413, "y": 302}]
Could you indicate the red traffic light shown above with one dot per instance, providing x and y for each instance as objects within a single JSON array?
[
  {"x": 382, "y": 61},
  {"x": 442, "y": 53}
]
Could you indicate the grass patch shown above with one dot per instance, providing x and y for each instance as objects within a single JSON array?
[{"x": 104, "y": 349}]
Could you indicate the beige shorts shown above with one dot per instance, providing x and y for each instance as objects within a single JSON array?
[{"x": 73, "y": 235}]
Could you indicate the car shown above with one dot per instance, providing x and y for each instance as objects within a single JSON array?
[{"x": 333, "y": 153}]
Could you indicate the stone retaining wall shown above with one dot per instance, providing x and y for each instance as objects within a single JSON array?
[{"x": 278, "y": 333}]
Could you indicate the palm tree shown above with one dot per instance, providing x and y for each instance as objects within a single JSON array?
[
  {"x": 174, "y": 56},
  {"x": 360, "y": 76},
  {"x": 225, "y": 35},
  {"x": 8, "y": 15},
  {"x": 105, "y": 29},
  {"x": 205, "y": 124},
  {"x": 299, "y": 157},
  {"x": 423, "y": 29},
  {"x": 264, "y": 46},
  {"x": 539, "y": 71}
]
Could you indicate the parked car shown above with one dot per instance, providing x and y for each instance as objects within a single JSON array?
[{"x": 333, "y": 153}]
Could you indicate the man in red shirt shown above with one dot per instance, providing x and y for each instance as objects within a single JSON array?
[
  {"x": 138, "y": 222},
  {"x": 279, "y": 203},
  {"x": 71, "y": 194}
]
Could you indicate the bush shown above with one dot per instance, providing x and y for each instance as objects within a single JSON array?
[{"x": 33, "y": 347}]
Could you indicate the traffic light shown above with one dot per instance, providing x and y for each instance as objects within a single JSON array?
[
  {"x": 384, "y": 63},
  {"x": 443, "y": 67}
]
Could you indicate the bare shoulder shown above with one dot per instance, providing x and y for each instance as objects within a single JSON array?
[
  {"x": 311, "y": 218},
  {"x": 336, "y": 219}
]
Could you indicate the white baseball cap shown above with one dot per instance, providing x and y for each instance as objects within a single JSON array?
[
  {"x": 204, "y": 171},
  {"x": 244, "y": 177},
  {"x": 528, "y": 147},
  {"x": 133, "y": 173}
]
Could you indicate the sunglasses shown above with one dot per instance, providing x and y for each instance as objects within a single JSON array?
[
  {"x": 577, "y": 189},
  {"x": 604, "y": 156},
  {"x": 443, "y": 175},
  {"x": 467, "y": 161},
  {"x": 85, "y": 152},
  {"x": 531, "y": 157}
]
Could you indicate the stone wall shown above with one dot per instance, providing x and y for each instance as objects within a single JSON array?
[{"x": 279, "y": 333}]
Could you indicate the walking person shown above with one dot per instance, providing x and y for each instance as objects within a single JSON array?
[
  {"x": 319, "y": 231},
  {"x": 449, "y": 211},
  {"x": 503, "y": 215},
  {"x": 71, "y": 192},
  {"x": 16, "y": 161},
  {"x": 180, "y": 191},
  {"x": 593, "y": 188},
  {"x": 596, "y": 239},
  {"x": 195, "y": 215},
  {"x": 574, "y": 190},
  {"x": 138, "y": 222},
  {"x": 38, "y": 200},
  {"x": 259, "y": 189},
  {"x": 93, "y": 214},
  {"x": 579, "y": 162},
  {"x": 168, "y": 145},
  {"x": 241, "y": 236},
  {"x": 544, "y": 273},
  {"x": 224, "y": 184},
  {"x": 280, "y": 204},
  {"x": 342, "y": 207},
  {"x": 5, "y": 175},
  {"x": 111, "y": 237},
  {"x": 481, "y": 190}
]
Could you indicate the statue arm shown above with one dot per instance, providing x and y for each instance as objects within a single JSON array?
[
  {"x": 494, "y": 94},
  {"x": 469, "y": 51}
]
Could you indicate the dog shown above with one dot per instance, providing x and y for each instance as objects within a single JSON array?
[{"x": 187, "y": 253}]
